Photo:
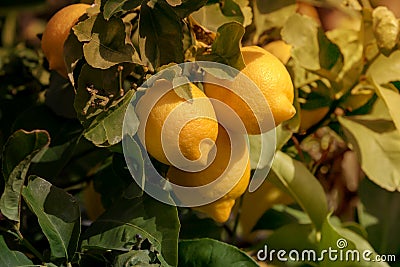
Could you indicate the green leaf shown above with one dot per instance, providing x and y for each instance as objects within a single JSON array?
[
  {"x": 107, "y": 90},
  {"x": 106, "y": 129},
  {"x": 184, "y": 91},
  {"x": 351, "y": 47},
  {"x": 109, "y": 44},
  {"x": 212, "y": 253},
  {"x": 19, "y": 151},
  {"x": 113, "y": 179},
  {"x": 118, "y": 228},
  {"x": 272, "y": 20},
  {"x": 138, "y": 258},
  {"x": 83, "y": 30},
  {"x": 188, "y": 6},
  {"x": 10, "y": 257},
  {"x": 215, "y": 15},
  {"x": 295, "y": 179},
  {"x": 72, "y": 54},
  {"x": 302, "y": 33},
  {"x": 392, "y": 100},
  {"x": 385, "y": 69},
  {"x": 311, "y": 48},
  {"x": 115, "y": 6},
  {"x": 269, "y": 6},
  {"x": 386, "y": 29},
  {"x": 226, "y": 47},
  {"x": 160, "y": 34},
  {"x": 385, "y": 209},
  {"x": 346, "y": 243},
  {"x": 58, "y": 214},
  {"x": 289, "y": 237},
  {"x": 262, "y": 157},
  {"x": 375, "y": 138},
  {"x": 60, "y": 96}
]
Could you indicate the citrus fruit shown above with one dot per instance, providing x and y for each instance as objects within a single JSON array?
[
  {"x": 92, "y": 201},
  {"x": 233, "y": 170},
  {"x": 274, "y": 87},
  {"x": 309, "y": 118},
  {"x": 171, "y": 123},
  {"x": 280, "y": 49},
  {"x": 57, "y": 31},
  {"x": 256, "y": 203},
  {"x": 308, "y": 10}
]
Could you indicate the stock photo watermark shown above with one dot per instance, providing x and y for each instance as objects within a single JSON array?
[{"x": 338, "y": 254}]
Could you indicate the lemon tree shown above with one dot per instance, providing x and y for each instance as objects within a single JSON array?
[{"x": 98, "y": 112}]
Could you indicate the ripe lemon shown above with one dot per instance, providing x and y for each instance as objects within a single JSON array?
[
  {"x": 308, "y": 10},
  {"x": 92, "y": 202},
  {"x": 309, "y": 118},
  {"x": 167, "y": 121},
  {"x": 280, "y": 49},
  {"x": 238, "y": 171},
  {"x": 273, "y": 80},
  {"x": 57, "y": 31},
  {"x": 255, "y": 204}
]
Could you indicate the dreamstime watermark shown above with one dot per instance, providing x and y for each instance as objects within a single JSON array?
[
  {"x": 159, "y": 85},
  {"x": 339, "y": 254}
]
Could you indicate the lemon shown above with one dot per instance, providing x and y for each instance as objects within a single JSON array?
[
  {"x": 234, "y": 176},
  {"x": 170, "y": 123},
  {"x": 92, "y": 201},
  {"x": 275, "y": 88},
  {"x": 308, "y": 10},
  {"x": 255, "y": 204},
  {"x": 280, "y": 49},
  {"x": 309, "y": 118},
  {"x": 57, "y": 31}
]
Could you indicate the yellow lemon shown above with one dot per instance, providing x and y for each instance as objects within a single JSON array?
[
  {"x": 92, "y": 202},
  {"x": 57, "y": 31},
  {"x": 308, "y": 10},
  {"x": 275, "y": 88},
  {"x": 280, "y": 49},
  {"x": 233, "y": 170},
  {"x": 309, "y": 118},
  {"x": 169, "y": 123},
  {"x": 255, "y": 204}
]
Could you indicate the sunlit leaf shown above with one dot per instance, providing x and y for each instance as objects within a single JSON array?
[
  {"x": 371, "y": 135},
  {"x": 392, "y": 100},
  {"x": 347, "y": 243},
  {"x": 256, "y": 203},
  {"x": 58, "y": 215},
  {"x": 120, "y": 227},
  {"x": 160, "y": 34},
  {"x": 106, "y": 129},
  {"x": 295, "y": 179},
  {"x": 114, "y": 6},
  {"x": 108, "y": 44},
  {"x": 213, "y": 16},
  {"x": 302, "y": 33},
  {"x": 385, "y": 69},
  {"x": 134, "y": 258},
  {"x": 19, "y": 151},
  {"x": 271, "y": 20},
  {"x": 211, "y": 253},
  {"x": 10, "y": 257},
  {"x": 226, "y": 47},
  {"x": 351, "y": 48},
  {"x": 186, "y": 7}
]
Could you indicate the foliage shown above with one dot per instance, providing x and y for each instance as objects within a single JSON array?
[{"x": 58, "y": 135}]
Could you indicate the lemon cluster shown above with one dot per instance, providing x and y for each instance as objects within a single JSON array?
[
  {"x": 195, "y": 128},
  {"x": 185, "y": 133}
]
